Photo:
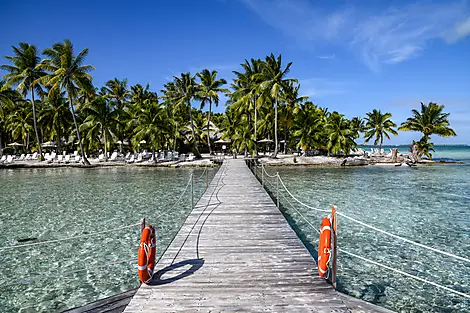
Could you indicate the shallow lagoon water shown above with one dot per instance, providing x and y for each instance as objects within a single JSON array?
[
  {"x": 56, "y": 203},
  {"x": 428, "y": 204}
]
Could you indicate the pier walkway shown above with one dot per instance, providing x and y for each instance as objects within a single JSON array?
[{"x": 237, "y": 253}]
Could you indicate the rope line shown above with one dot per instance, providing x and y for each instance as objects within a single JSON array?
[
  {"x": 69, "y": 238},
  {"x": 406, "y": 274},
  {"x": 404, "y": 239},
  {"x": 375, "y": 228}
]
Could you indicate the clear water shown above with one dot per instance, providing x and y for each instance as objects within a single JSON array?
[
  {"x": 429, "y": 204},
  {"x": 56, "y": 203}
]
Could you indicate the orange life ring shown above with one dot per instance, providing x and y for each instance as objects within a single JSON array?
[
  {"x": 324, "y": 247},
  {"x": 147, "y": 252}
]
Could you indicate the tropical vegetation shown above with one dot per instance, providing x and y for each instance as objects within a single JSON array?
[{"x": 50, "y": 97}]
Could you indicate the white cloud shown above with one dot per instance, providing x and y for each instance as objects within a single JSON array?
[
  {"x": 326, "y": 57},
  {"x": 377, "y": 35},
  {"x": 461, "y": 30},
  {"x": 318, "y": 87}
]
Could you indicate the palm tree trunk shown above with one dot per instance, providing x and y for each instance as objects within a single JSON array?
[
  {"x": 34, "y": 123},
  {"x": 275, "y": 129},
  {"x": 105, "y": 147},
  {"x": 176, "y": 135},
  {"x": 256, "y": 122},
  {"x": 208, "y": 124},
  {"x": 59, "y": 148},
  {"x": 198, "y": 154},
  {"x": 85, "y": 161}
]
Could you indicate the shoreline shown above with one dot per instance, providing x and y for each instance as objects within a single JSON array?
[{"x": 281, "y": 160}]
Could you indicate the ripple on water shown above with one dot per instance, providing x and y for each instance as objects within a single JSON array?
[
  {"x": 49, "y": 204},
  {"x": 430, "y": 205}
]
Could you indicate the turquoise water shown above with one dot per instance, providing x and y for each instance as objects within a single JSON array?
[
  {"x": 428, "y": 204},
  {"x": 55, "y": 203}
]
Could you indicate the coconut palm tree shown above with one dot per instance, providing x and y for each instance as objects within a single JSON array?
[
  {"x": 19, "y": 122},
  {"x": 24, "y": 73},
  {"x": 430, "y": 121},
  {"x": 55, "y": 116},
  {"x": 209, "y": 89},
  {"x": 308, "y": 125},
  {"x": 150, "y": 123},
  {"x": 273, "y": 83},
  {"x": 340, "y": 135},
  {"x": 185, "y": 90},
  {"x": 67, "y": 72},
  {"x": 379, "y": 125},
  {"x": 101, "y": 119},
  {"x": 117, "y": 91},
  {"x": 291, "y": 98}
]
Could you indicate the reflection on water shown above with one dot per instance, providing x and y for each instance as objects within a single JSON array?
[{"x": 49, "y": 204}]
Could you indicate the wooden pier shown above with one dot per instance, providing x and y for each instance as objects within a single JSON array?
[{"x": 237, "y": 253}]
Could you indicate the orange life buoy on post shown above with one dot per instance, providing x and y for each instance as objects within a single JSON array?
[
  {"x": 324, "y": 247},
  {"x": 147, "y": 252}
]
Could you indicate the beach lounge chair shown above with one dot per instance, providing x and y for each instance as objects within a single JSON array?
[
  {"x": 27, "y": 157},
  {"x": 190, "y": 157},
  {"x": 131, "y": 159},
  {"x": 47, "y": 156},
  {"x": 139, "y": 158},
  {"x": 101, "y": 158},
  {"x": 34, "y": 156},
  {"x": 169, "y": 156},
  {"x": 67, "y": 159},
  {"x": 52, "y": 157},
  {"x": 175, "y": 156},
  {"x": 75, "y": 153},
  {"x": 76, "y": 159},
  {"x": 128, "y": 155},
  {"x": 9, "y": 159},
  {"x": 113, "y": 156},
  {"x": 182, "y": 157},
  {"x": 4, "y": 157},
  {"x": 60, "y": 158},
  {"x": 21, "y": 158}
]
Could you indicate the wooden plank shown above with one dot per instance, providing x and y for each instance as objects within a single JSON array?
[
  {"x": 113, "y": 304},
  {"x": 237, "y": 253}
]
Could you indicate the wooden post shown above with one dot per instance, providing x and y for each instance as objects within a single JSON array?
[
  {"x": 142, "y": 225},
  {"x": 334, "y": 243},
  {"x": 262, "y": 175},
  {"x": 277, "y": 189},
  {"x": 192, "y": 192}
]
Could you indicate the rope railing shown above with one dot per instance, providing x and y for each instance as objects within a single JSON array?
[
  {"x": 277, "y": 176},
  {"x": 369, "y": 226}
]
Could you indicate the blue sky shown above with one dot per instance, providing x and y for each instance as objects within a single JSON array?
[{"x": 350, "y": 56}]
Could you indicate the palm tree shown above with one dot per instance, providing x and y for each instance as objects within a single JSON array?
[
  {"x": 430, "y": 121},
  {"x": 8, "y": 98},
  {"x": 185, "y": 90},
  {"x": 101, "y": 119},
  {"x": 19, "y": 122},
  {"x": 209, "y": 89},
  {"x": 24, "y": 73},
  {"x": 150, "y": 123},
  {"x": 291, "y": 99},
  {"x": 274, "y": 81},
  {"x": 68, "y": 73},
  {"x": 379, "y": 125},
  {"x": 308, "y": 125},
  {"x": 340, "y": 135},
  {"x": 117, "y": 91},
  {"x": 55, "y": 116}
]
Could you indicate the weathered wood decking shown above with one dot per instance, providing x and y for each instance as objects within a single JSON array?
[{"x": 237, "y": 253}]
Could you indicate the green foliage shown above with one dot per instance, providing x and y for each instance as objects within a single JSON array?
[{"x": 379, "y": 125}]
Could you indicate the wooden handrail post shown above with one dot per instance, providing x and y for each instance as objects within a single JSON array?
[
  {"x": 192, "y": 192},
  {"x": 142, "y": 225},
  {"x": 277, "y": 189},
  {"x": 335, "y": 247},
  {"x": 262, "y": 175}
]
